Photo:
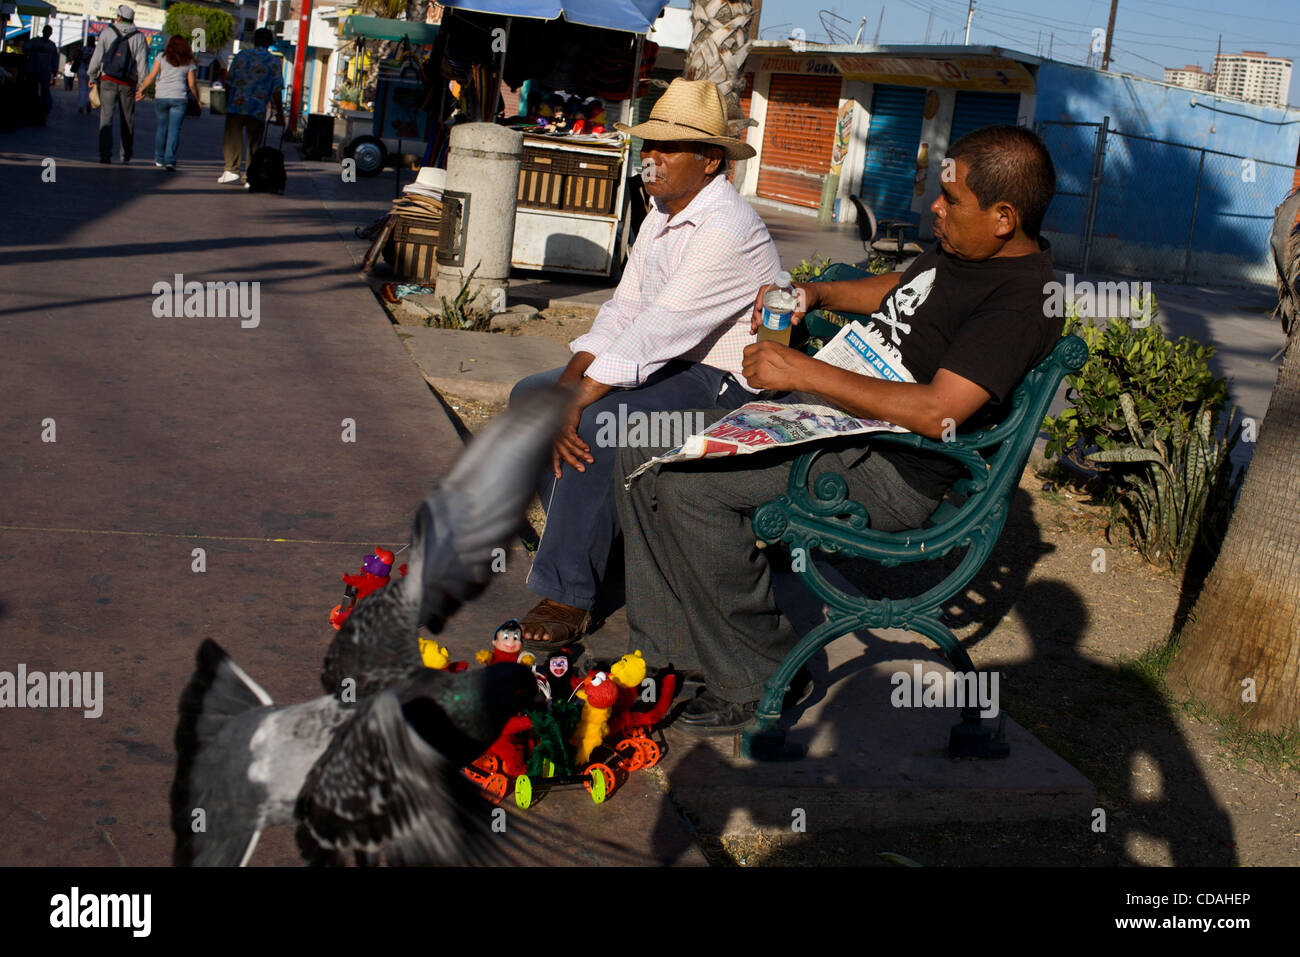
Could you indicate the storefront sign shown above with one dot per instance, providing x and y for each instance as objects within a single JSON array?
[
  {"x": 964, "y": 73},
  {"x": 798, "y": 64}
]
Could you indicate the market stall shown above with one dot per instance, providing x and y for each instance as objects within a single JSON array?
[{"x": 583, "y": 58}]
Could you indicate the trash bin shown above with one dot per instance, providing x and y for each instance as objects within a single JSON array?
[
  {"x": 217, "y": 99},
  {"x": 318, "y": 139}
]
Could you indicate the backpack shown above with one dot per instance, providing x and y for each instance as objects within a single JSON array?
[{"x": 119, "y": 62}]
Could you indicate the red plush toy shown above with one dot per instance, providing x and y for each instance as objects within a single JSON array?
[
  {"x": 374, "y": 574},
  {"x": 511, "y": 748}
]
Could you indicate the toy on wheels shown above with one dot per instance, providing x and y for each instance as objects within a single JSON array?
[{"x": 608, "y": 714}]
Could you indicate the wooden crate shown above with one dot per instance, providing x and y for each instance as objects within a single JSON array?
[
  {"x": 568, "y": 181},
  {"x": 414, "y": 243}
]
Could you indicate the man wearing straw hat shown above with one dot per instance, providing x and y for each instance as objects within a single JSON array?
[{"x": 672, "y": 337}]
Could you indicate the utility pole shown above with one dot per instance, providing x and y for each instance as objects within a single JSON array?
[
  {"x": 970, "y": 15},
  {"x": 928, "y": 24},
  {"x": 1051, "y": 38},
  {"x": 1214, "y": 73},
  {"x": 1110, "y": 33},
  {"x": 875, "y": 41}
]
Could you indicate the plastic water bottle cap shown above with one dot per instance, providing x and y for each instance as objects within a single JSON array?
[{"x": 783, "y": 278}]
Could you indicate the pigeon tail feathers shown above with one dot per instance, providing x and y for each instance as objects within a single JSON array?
[{"x": 218, "y": 692}]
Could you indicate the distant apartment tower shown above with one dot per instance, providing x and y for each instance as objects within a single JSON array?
[
  {"x": 1253, "y": 76},
  {"x": 1191, "y": 76}
]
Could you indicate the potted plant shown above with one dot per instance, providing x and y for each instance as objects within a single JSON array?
[{"x": 348, "y": 95}]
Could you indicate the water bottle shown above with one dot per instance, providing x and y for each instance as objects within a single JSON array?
[{"x": 778, "y": 307}]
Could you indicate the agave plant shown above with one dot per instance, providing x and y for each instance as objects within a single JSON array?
[{"x": 1178, "y": 477}]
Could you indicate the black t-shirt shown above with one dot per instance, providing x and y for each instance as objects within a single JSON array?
[{"x": 984, "y": 321}]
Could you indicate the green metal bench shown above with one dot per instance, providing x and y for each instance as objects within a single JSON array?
[{"x": 820, "y": 517}]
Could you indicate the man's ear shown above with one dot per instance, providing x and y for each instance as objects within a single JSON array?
[
  {"x": 716, "y": 158},
  {"x": 1007, "y": 220}
]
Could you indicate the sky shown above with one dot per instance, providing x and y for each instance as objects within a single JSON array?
[{"x": 1149, "y": 34}]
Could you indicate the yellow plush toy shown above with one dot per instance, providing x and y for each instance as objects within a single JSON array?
[
  {"x": 434, "y": 655},
  {"x": 598, "y": 694}
]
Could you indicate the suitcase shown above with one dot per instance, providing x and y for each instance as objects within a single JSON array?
[{"x": 266, "y": 166}]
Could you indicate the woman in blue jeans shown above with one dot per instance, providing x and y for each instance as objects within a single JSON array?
[{"x": 174, "y": 71}]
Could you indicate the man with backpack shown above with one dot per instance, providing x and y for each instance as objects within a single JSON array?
[
  {"x": 121, "y": 59},
  {"x": 255, "y": 79}
]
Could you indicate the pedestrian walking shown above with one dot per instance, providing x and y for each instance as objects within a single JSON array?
[
  {"x": 42, "y": 66},
  {"x": 174, "y": 71},
  {"x": 83, "y": 76},
  {"x": 254, "y": 80},
  {"x": 117, "y": 66}
]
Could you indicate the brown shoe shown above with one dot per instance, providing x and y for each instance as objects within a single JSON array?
[{"x": 561, "y": 624}]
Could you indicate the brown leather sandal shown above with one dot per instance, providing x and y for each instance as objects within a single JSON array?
[{"x": 561, "y": 623}]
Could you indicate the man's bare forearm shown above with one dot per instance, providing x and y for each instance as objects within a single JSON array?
[
  {"x": 586, "y": 390},
  {"x": 909, "y": 404},
  {"x": 852, "y": 295}
]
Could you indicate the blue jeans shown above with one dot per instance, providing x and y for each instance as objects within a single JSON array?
[
  {"x": 170, "y": 112},
  {"x": 582, "y": 530}
]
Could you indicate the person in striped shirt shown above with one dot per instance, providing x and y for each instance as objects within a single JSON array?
[{"x": 672, "y": 337}]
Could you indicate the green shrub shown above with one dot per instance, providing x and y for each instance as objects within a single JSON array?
[
  {"x": 1170, "y": 383},
  {"x": 460, "y": 313},
  {"x": 809, "y": 269},
  {"x": 1174, "y": 486}
]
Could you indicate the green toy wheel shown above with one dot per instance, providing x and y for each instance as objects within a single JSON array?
[
  {"x": 523, "y": 792},
  {"x": 596, "y": 783}
]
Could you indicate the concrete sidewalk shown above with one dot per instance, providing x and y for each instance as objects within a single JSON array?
[{"x": 285, "y": 451}]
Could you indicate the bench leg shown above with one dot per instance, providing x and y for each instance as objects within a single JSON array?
[
  {"x": 970, "y": 738},
  {"x": 763, "y": 740}
]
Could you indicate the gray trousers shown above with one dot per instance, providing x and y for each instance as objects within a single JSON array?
[
  {"x": 699, "y": 593},
  {"x": 119, "y": 99}
]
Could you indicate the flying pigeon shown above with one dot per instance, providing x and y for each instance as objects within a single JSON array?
[{"x": 371, "y": 770}]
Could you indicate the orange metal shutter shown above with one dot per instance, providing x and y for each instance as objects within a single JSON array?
[{"x": 798, "y": 135}]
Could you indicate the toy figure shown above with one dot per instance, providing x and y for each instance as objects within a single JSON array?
[
  {"x": 374, "y": 575},
  {"x": 558, "y": 675},
  {"x": 599, "y": 695},
  {"x": 437, "y": 657},
  {"x": 628, "y": 673},
  {"x": 507, "y": 645}
]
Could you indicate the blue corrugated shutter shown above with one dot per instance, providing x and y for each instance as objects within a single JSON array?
[
  {"x": 893, "y": 139},
  {"x": 975, "y": 110}
]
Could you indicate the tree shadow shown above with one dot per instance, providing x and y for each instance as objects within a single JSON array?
[{"x": 1107, "y": 721}]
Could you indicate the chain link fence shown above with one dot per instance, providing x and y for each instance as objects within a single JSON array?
[{"x": 1153, "y": 208}]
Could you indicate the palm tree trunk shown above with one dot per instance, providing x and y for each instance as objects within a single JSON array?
[
  {"x": 1246, "y": 621},
  {"x": 720, "y": 42}
]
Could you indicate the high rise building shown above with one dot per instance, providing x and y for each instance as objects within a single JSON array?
[
  {"x": 1253, "y": 76},
  {"x": 1191, "y": 76}
]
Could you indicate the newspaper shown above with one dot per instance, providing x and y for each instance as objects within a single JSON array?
[{"x": 763, "y": 425}]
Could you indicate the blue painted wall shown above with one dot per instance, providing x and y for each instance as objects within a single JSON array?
[{"x": 1149, "y": 190}]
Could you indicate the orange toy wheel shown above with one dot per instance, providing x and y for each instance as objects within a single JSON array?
[
  {"x": 630, "y": 750},
  {"x": 649, "y": 752},
  {"x": 496, "y": 785}
]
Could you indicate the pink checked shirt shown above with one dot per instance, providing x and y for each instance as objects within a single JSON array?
[{"x": 687, "y": 291}]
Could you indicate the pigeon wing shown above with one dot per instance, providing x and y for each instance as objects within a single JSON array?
[
  {"x": 380, "y": 791},
  {"x": 475, "y": 510}
]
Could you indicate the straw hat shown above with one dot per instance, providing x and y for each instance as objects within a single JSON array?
[{"x": 690, "y": 110}]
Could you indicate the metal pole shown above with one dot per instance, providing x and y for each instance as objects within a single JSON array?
[
  {"x": 1110, "y": 32},
  {"x": 299, "y": 62},
  {"x": 970, "y": 15},
  {"x": 1191, "y": 230},
  {"x": 1094, "y": 188}
]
